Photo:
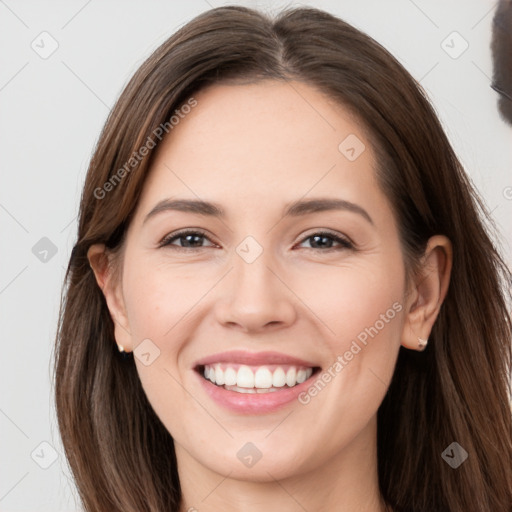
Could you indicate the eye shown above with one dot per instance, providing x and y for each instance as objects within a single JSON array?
[
  {"x": 191, "y": 239},
  {"x": 323, "y": 240}
]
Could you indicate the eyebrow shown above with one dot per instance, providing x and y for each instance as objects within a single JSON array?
[{"x": 295, "y": 209}]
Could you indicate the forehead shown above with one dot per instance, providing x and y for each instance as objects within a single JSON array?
[{"x": 263, "y": 143}]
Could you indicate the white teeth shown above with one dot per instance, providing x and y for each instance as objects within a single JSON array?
[
  {"x": 279, "y": 378},
  {"x": 261, "y": 379},
  {"x": 219, "y": 376},
  {"x": 250, "y": 390},
  {"x": 230, "y": 377},
  {"x": 242, "y": 390},
  {"x": 301, "y": 376},
  {"x": 245, "y": 377},
  {"x": 291, "y": 375}
]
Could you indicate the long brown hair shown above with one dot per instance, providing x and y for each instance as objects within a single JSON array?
[{"x": 457, "y": 390}]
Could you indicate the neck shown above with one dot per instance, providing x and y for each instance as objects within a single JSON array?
[{"x": 346, "y": 482}]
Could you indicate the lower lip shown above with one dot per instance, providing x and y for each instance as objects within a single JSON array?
[{"x": 254, "y": 403}]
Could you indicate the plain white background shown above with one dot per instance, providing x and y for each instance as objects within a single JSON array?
[{"x": 52, "y": 111}]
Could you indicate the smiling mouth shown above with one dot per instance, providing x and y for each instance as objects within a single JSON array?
[{"x": 256, "y": 379}]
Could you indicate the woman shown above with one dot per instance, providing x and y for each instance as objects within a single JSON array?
[{"x": 282, "y": 295}]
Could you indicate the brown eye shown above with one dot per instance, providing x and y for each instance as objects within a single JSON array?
[
  {"x": 192, "y": 239},
  {"x": 324, "y": 241},
  {"x": 188, "y": 240}
]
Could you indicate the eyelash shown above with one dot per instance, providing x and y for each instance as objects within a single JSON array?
[{"x": 166, "y": 242}]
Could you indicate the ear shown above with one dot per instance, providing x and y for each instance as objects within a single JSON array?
[
  {"x": 111, "y": 286},
  {"x": 427, "y": 292}
]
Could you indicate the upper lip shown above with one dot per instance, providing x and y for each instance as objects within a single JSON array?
[{"x": 253, "y": 358}]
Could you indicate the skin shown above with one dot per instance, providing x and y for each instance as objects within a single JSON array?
[{"x": 254, "y": 148}]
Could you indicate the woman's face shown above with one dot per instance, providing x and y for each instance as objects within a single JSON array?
[{"x": 259, "y": 287}]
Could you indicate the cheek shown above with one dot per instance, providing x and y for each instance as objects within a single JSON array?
[
  {"x": 360, "y": 305},
  {"x": 350, "y": 299},
  {"x": 159, "y": 304},
  {"x": 370, "y": 306},
  {"x": 158, "y": 299}
]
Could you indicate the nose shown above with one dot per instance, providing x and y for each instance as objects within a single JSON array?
[{"x": 254, "y": 297}]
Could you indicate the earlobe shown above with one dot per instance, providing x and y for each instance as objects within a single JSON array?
[
  {"x": 428, "y": 293},
  {"x": 101, "y": 266}
]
